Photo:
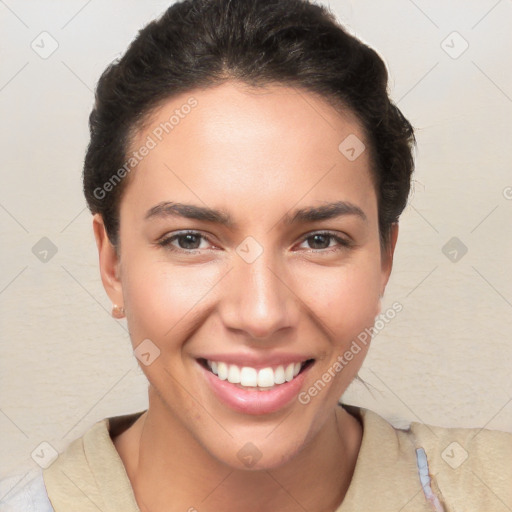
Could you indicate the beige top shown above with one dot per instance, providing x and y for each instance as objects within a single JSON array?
[{"x": 464, "y": 470}]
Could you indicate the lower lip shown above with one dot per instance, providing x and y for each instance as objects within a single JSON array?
[{"x": 253, "y": 401}]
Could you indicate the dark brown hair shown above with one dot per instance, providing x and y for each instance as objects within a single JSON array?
[{"x": 202, "y": 43}]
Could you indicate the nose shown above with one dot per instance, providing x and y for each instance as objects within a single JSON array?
[{"x": 260, "y": 300}]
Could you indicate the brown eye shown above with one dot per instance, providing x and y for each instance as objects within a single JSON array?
[
  {"x": 322, "y": 241},
  {"x": 319, "y": 241},
  {"x": 188, "y": 241}
]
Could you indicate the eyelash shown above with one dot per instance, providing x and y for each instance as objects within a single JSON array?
[{"x": 166, "y": 242}]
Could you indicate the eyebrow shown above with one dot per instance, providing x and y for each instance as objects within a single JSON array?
[
  {"x": 325, "y": 212},
  {"x": 204, "y": 213},
  {"x": 190, "y": 211}
]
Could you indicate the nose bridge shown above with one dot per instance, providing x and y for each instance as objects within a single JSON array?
[{"x": 258, "y": 301}]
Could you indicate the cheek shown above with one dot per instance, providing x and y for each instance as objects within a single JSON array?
[
  {"x": 162, "y": 300},
  {"x": 344, "y": 299}
]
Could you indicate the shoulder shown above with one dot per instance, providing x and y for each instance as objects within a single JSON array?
[
  {"x": 468, "y": 461},
  {"x": 24, "y": 493},
  {"x": 89, "y": 474},
  {"x": 430, "y": 467}
]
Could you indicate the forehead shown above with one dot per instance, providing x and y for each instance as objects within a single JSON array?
[{"x": 250, "y": 146}]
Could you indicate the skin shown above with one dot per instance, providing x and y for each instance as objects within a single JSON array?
[{"x": 257, "y": 154}]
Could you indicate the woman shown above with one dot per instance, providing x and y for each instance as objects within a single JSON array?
[{"x": 246, "y": 172}]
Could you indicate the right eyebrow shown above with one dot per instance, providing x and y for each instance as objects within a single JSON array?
[{"x": 190, "y": 211}]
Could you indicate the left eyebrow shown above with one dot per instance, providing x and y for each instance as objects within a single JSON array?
[{"x": 325, "y": 212}]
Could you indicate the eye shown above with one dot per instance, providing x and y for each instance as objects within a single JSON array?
[
  {"x": 192, "y": 241},
  {"x": 185, "y": 241},
  {"x": 321, "y": 241}
]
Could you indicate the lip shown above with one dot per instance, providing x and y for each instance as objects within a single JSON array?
[{"x": 253, "y": 401}]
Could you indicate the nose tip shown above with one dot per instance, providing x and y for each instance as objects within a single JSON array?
[{"x": 258, "y": 302}]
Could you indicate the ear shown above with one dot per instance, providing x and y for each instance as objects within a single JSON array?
[
  {"x": 387, "y": 260},
  {"x": 109, "y": 262}
]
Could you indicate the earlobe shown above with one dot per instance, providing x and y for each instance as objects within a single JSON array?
[{"x": 108, "y": 261}]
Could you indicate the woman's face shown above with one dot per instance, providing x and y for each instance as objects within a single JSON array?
[{"x": 281, "y": 265}]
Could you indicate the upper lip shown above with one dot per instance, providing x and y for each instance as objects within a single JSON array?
[{"x": 257, "y": 361}]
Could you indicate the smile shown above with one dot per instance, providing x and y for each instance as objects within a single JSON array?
[
  {"x": 248, "y": 377},
  {"x": 250, "y": 390}
]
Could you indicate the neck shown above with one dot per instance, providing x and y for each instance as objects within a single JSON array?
[{"x": 166, "y": 465}]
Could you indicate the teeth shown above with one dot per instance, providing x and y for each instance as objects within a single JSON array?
[
  {"x": 234, "y": 374},
  {"x": 250, "y": 377},
  {"x": 279, "y": 377},
  {"x": 222, "y": 371},
  {"x": 266, "y": 378},
  {"x": 288, "y": 373}
]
